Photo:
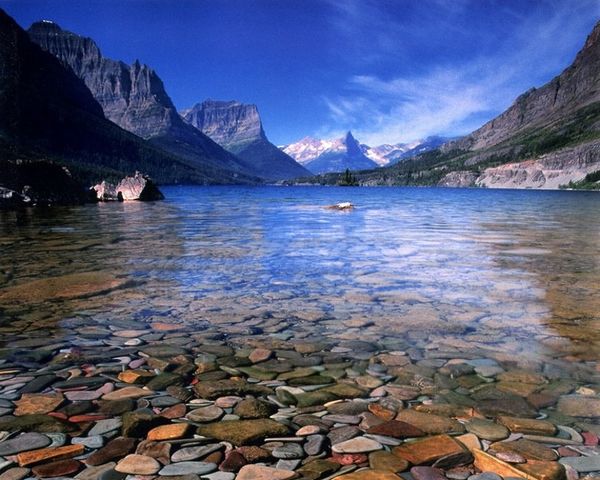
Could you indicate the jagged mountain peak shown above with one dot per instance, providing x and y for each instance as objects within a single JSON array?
[{"x": 336, "y": 155}]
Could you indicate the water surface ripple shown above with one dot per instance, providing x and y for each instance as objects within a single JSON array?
[{"x": 510, "y": 272}]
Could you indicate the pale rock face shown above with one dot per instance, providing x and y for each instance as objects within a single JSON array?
[
  {"x": 547, "y": 172},
  {"x": 237, "y": 127},
  {"x": 137, "y": 187},
  {"x": 230, "y": 124}
]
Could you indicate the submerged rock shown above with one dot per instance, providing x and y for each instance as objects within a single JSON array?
[{"x": 76, "y": 285}]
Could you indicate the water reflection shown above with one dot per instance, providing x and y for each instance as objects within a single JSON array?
[{"x": 516, "y": 273}]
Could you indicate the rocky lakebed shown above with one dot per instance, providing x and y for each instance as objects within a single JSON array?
[{"x": 161, "y": 402}]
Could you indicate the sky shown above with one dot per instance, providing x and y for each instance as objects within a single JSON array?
[{"x": 388, "y": 70}]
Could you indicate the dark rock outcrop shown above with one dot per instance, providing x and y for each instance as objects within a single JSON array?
[
  {"x": 238, "y": 128},
  {"x": 138, "y": 187},
  {"x": 37, "y": 183},
  {"x": 134, "y": 97}
]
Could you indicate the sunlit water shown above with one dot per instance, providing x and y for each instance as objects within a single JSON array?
[{"x": 509, "y": 272}]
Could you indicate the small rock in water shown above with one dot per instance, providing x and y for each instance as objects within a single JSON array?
[
  {"x": 357, "y": 445},
  {"x": 138, "y": 465},
  {"x": 187, "y": 468}
]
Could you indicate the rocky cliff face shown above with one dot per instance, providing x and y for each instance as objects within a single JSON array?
[
  {"x": 230, "y": 124},
  {"x": 549, "y": 171},
  {"x": 238, "y": 128},
  {"x": 576, "y": 87},
  {"x": 133, "y": 97}
]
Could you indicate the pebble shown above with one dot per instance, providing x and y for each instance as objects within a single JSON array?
[
  {"x": 187, "y": 468},
  {"x": 288, "y": 451},
  {"x": 192, "y": 453},
  {"x": 138, "y": 465},
  {"x": 259, "y": 472},
  {"x": 102, "y": 427},
  {"x": 357, "y": 445},
  {"x": 583, "y": 464},
  {"x": 24, "y": 442}
]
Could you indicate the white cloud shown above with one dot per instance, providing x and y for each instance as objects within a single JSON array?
[{"x": 458, "y": 98}]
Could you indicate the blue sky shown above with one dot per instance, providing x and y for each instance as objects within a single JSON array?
[{"x": 389, "y": 70}]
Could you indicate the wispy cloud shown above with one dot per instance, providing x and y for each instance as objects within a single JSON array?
[{"x": 451, "y": 98}]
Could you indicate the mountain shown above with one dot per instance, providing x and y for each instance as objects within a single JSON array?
[
  {"x": 388, "y": 154},
  {"x": 49, "y": 114},
  {"x": 237, "y": 128},
  {"x": 134, "y": 97},
  {"x": 323, "y": 156},
  {"x": 548, "y": 138}
]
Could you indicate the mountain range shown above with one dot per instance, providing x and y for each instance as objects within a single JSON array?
[
  {"x": 223, "y": 135},
  {"x": 337, "y": 155},
  {"x": 237, "y": 127},
  {"x": 134, "y": 97},
  {"x": 63, "y": 102},
  {"x": 323, "y": 156}
]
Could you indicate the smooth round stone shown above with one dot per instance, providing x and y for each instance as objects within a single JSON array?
[
  {"x": 382, "y": 460},
  {"x": 95, "y": 441},
  {"x": 57, "y": 469},
  {"x": 485, "y": 476},
  {"x": 164, "y": 401},
  {"x": 287, "y": 464},
  {"x": 17, "y": 473},
  {"x": 81, "y": 395},
  {"x": 308, "y": 430},
  {"x": 110, "y": 475},
  {"x": 104, "y": 426},
  {"x": 192, "y": 453},
  {"x": 260, "y": 472},
  {"x": 288, "y": 451},
  {"x": 489, "y": 371},
  {"x": 346, "y": 419},
  {"x": 357, "y": 445},
  {"x": 205, "y": 414},
  {"x": 314, "y": 444},
  {"x": 57, "y": 439},
  {"x": 427, "y": 473},
  {"x": 228, "y": 402},
  {"x": 24, "y": 442},
  {"x": 138, "y": 465},
  {"x": 583, "y": 464},
  {"x": 186, "y": 468},
  {"x": 219, "y": 476},
  {"x": 487, "y": 429}
]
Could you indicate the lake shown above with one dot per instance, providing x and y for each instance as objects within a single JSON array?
[
  {"x": 510, "y": 271},
  {"x": 241, "y": 314}
]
